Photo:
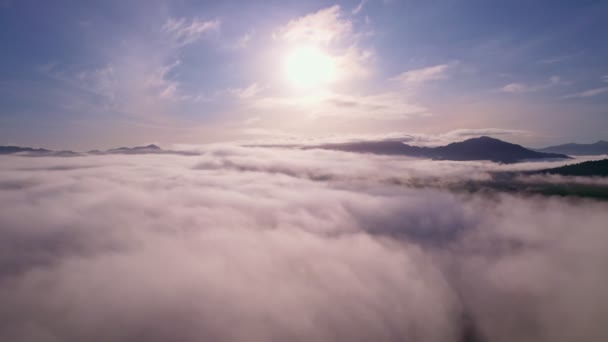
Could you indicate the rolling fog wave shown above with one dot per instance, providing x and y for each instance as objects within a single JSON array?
[{"x": 247, "y": 244}]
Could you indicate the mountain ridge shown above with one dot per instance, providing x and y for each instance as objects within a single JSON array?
[
  {"x": 597, "y": 148},
  {"x": 588, "y": 168},
  {"x": 137, "y": 149},
  {"x": 481, "y": 148},
  {"x": 30, "y": 151}
]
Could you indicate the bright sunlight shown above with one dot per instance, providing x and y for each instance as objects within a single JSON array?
[{"x": 309, "y": 66}]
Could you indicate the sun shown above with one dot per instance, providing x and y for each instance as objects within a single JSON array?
[{"x": 309, "y": 67}]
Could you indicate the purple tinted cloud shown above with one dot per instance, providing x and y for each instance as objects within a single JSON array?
[{"x": 248, "y": 244}]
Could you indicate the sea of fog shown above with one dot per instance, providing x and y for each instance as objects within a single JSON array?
[{"x": 264, "y": 244}]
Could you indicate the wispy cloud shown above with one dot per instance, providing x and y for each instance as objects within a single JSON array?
[
  {"x": 472, "y": 132},
  {"x": 137, "y": 79},
  {"x": 185, "y": 31},
  {"x": 526, "y": 88},
  {"x": 99, "y": 81},
  {"x": 588, "y": 93},
  {"x": 244, "y": 40},
  {"x": 516, "y": 88},
  {"x": 322, "y": 27},
  {"x": 252, "y": 120},
  {"x": 557, "y": 59},
  {"x": 331, "y": 29},
  {"x": 158, "y": 81},
  {"x": 422, "y": 75},
  {"x": 381, "y": 106},
  {"x": 248, "y": 92},
  {"x": 359, "y": 7}
]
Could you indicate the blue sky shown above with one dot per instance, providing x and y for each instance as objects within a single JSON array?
[{"x": 84, "y": 74}]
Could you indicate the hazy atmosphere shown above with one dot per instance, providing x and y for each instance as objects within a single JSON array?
[
  {"x": 376, "y": 170},
  {"x": 88, "y": 75}
]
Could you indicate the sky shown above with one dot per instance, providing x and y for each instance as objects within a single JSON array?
[{"x": 84, "y": 75}]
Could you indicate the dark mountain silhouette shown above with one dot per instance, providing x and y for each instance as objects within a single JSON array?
[
  {"x": 40, "y": 152},
  {"x": 486, "y": 148},
  {"x": 34, "y": 152},
  {"x": 137, "y": 149},
  {"x": 482, "y": 148},
  {"x": 597, "y": 148},
  {"x": 29, "y": 151},
  {"x": 19, "y": 149},
  {"x": 377, "y": 147},
  {"x": 588, "y": 168},
  {"x": 149, "y": 149}
]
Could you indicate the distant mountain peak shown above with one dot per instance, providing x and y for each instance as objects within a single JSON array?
[
  {"x": 597, "y": 148},
  {"x": 30, "y": 151},
  {"x": 481, "y": 140},
  {"x": 138, "y": 149},
  {"x": 149, "y": 147},
  {"x": 485, "y": 138},
  {"x": 480, "y": 148},
  {"x": 19, "y": 149}
]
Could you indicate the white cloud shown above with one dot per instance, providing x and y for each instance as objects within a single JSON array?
[
  {"x": 251, "y": 120},
  {"x": 244, "y": 40},
  {"x": 472, "y": 132},
  {"x": 319, "y": 245},
  {"x": 330, "y": 29},
  {"x": 605, "y": 78},
  {"x": 359, "y": 7},
  {"x": 557, "y": 59},
  {"x": 526, "y": 88},
  {"x": 588, "y": 93},
  {"x": 516, "y": 88},
  {"x": 422, "y": 75},
  {"x": 248, "y": 92},
  {"x": 322, "y": 27},
  {"x": 332, "y": 32},
  {"x": 184, "y": 31},
  {"x": 354, "y": 62},
  {"x": 159, "y": 82},
  {"x": 136, "y": 81},
  {"x": 555, "y": 80},
  {"x": 139, "y": 79},
  {"x": 380, "y": 106}
]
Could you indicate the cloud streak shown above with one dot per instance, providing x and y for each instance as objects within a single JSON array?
[
  {"x": 359, "y": 7},
  {"x": 526, "y": 88},
  {"x": 422, "y": 75},
  {"x": 588, "y": 93},
  {"x": 381, "y": 106},
  {"x": 185, "y": 31}
]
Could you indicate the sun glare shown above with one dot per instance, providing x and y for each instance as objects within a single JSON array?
[{"x": 309, "y": 66}]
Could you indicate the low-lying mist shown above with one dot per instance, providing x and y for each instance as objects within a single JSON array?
[{"x": 255, "y": 244}]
